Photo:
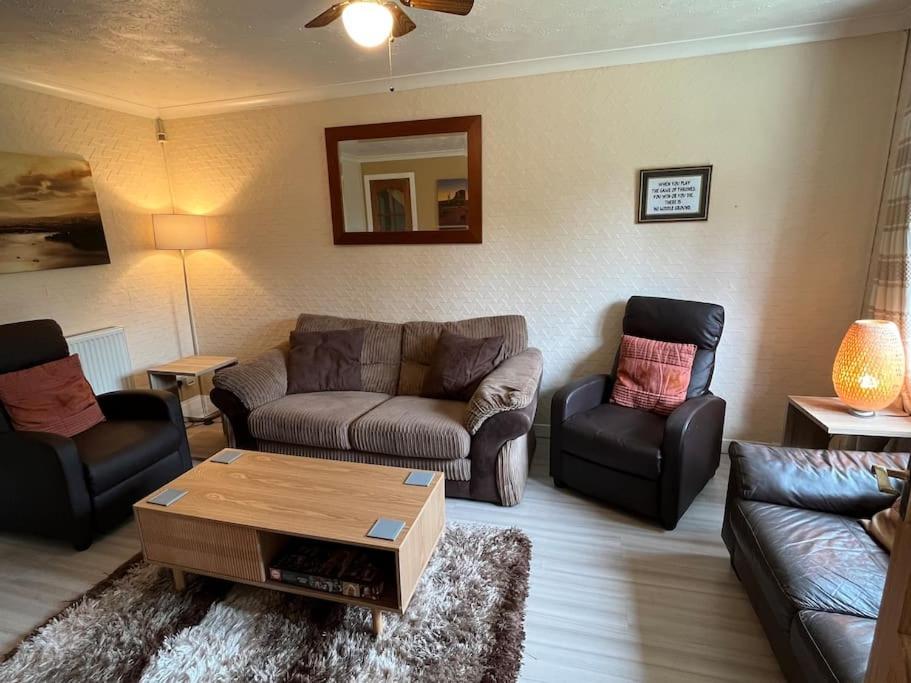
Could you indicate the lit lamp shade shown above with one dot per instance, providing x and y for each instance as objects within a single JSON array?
[
  {"x": 179, "y": 231},
  {"x": 869, "y": 368}
]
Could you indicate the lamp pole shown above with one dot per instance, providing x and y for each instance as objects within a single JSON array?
[{"x": 186, "y": 285}]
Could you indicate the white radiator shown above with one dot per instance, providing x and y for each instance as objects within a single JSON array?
[{"x": 104, "y": 357}]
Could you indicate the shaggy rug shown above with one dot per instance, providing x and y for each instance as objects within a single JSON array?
[{"x": 465, "y": 623}]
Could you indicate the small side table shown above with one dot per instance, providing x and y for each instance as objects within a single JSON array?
[
  {"x": 813, "y": 421},
  {"x": 169, "y": 377}
]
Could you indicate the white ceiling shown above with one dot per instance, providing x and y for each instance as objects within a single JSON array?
[{"x": 171, "y": 55}]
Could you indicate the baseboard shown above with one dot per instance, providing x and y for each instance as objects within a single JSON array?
[{"x": 542, "y": 431}]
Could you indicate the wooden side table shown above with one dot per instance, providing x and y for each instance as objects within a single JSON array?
[
  {"x": 169, "y": 377},
  {"x": 813, "y": 421}
]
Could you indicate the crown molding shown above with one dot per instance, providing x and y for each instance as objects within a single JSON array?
[
  {"x": 76, "y": 94},
  {"x": 735, "y": 42}
]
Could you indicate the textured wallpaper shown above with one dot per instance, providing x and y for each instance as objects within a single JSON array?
[
  {"x": 798, "y": 137},
  {"x": 142, "y": 289}
]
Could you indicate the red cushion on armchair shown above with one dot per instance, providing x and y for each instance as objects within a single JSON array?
[
  {"x": 54, "y": 397},
  {"x": 652, "y": 375}
]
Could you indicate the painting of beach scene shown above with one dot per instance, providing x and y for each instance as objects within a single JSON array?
[{"x": 49, "y": 215}]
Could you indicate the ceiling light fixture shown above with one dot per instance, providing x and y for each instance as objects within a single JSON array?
[{"x": 368, "y": 23}]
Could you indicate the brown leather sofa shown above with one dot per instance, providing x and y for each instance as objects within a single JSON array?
[
  {"x": 813, "y": 574},
  {"x": 483, "y": 446}
]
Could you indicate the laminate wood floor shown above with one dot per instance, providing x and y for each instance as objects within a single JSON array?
[{"x": 611, "y": 597}]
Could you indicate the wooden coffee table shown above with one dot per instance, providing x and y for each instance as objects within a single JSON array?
[{"x": 236, "y": 518}]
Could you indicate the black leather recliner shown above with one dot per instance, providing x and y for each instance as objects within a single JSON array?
[
  {"x": 71, "y": 488},
  {"x": 646, "y": 463}
]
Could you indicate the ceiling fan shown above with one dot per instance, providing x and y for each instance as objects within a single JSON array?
[{"x": 372, "y": 22}]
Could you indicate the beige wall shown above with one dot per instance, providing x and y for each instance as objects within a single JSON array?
[
  {"x": 141, "y": 290},
  {"x": 426, "y": 174},
  {"x": 798, "y": 137}
]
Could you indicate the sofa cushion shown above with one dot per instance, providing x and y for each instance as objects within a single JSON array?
[
  {"x": 621, "y": 438},
  {"x": 884, "y": 525},
  {"x": 54, "y": 397},
  {"x": 419, "y": 339},
  {"x": 807, "y": 560},
  {"x": 652, "y": 375},
  {"x": 318, "y": 419},
  {"x": 459, "y": 364},
  {"x": 456, "y": 470},
  {"x": 836, "y": 646},
  {"x": 414, "y": 427},
  {"x": 381, "y": 355},
  {"x": 325, "y": 361},
  {"x": 112, "y": 452}
]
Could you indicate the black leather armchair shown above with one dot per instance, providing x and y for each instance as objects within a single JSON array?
[
  {"x": 646, "y": 463},
  {"x": 71, "y": 488}
]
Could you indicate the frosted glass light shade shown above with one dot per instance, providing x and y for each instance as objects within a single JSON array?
[
  {"x": 368, "y": 23},
  {"x": 179, "y": 231},
  {"x": 869, "y": 367}
]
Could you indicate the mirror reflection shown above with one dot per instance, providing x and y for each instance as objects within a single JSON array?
[{"x": 405, "y": 184}]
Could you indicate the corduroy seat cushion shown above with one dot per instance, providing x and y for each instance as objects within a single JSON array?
[
  {"x": 413, "y": 427},
  {"x": 318, "y": 419}
]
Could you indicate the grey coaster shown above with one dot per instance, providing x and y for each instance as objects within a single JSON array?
[
  {"x": 419, "y": 478},
  {"x": 386, "y": 529},
  {"x": 167, "y": 497},
  {"x": 227, "y": 456}
]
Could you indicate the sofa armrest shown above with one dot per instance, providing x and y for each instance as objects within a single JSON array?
[
  {"x": 258, "y": 381},
  {"x": 42, "y": 487},
  {"x": 839, "y": 482},
  {"x": 513, "y": 385},
  {"x": 579, "y": 396},
  {"x": 141, "y": 404},
  {"x": 690, "y": 454}
]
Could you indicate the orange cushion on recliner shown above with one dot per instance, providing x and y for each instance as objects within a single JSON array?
[
  {"x": 652, "y": 375},
  {"x": 54, "y": 397}
]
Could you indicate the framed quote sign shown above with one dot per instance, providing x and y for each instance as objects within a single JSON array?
[{"x": 674, "y": 194}]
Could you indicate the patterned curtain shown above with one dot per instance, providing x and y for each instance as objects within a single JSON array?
[{"x": 890, "y": 272}]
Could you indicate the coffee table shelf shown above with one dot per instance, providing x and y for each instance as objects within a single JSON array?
[{"x": 236, "y": 518}]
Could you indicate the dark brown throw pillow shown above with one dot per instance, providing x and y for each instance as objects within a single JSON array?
[
  {"x": 459, "y": 364},
  {"x": 325, "y": 361}
]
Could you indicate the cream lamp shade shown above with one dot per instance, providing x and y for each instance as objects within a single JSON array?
[
  {"x": 869, "y": 368},
  {"x": 179, "y": 231}
]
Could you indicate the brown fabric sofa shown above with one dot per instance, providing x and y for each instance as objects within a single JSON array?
[{"x": 483, "y": 446}]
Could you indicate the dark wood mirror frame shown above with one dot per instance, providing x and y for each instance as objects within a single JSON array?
[{"x": 458, "y": 124}]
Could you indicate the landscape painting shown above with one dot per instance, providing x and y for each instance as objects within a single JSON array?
[
  {"x": 452, "y": 203},
  {"x": 49, "y": 215}
]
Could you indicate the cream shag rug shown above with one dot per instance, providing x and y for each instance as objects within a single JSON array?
[{"x": 465, "y": 623}]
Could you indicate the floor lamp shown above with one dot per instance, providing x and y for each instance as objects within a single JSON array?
[{"x": 182, "y": 231}]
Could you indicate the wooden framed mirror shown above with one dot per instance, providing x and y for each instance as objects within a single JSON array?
[{"x": 407, "y": 182}]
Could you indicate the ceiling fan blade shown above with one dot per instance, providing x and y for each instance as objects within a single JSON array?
[
  {"x": 403, "y": 24},
  {"x": 328, "y": 16},
  {"x": 460, "y": 7}
]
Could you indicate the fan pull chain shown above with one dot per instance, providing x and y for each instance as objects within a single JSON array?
[{"x": 389, "y": 50}]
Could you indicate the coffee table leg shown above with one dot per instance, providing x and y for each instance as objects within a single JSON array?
[
  {"x": 377, "y": 621},
  {"x": 180, "y": 580}
]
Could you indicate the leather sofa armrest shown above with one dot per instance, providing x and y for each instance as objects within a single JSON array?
[
  {"x": 579, "y": 396},
  {"x": 513, "y": 385},
  {"x": 258, "y": 381},
  {"x": 42, "y": 487},
  {"x": 141, "y": 404},
  {"x": 832, "y": 481},
  {"x": 690, "y": 454}
]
